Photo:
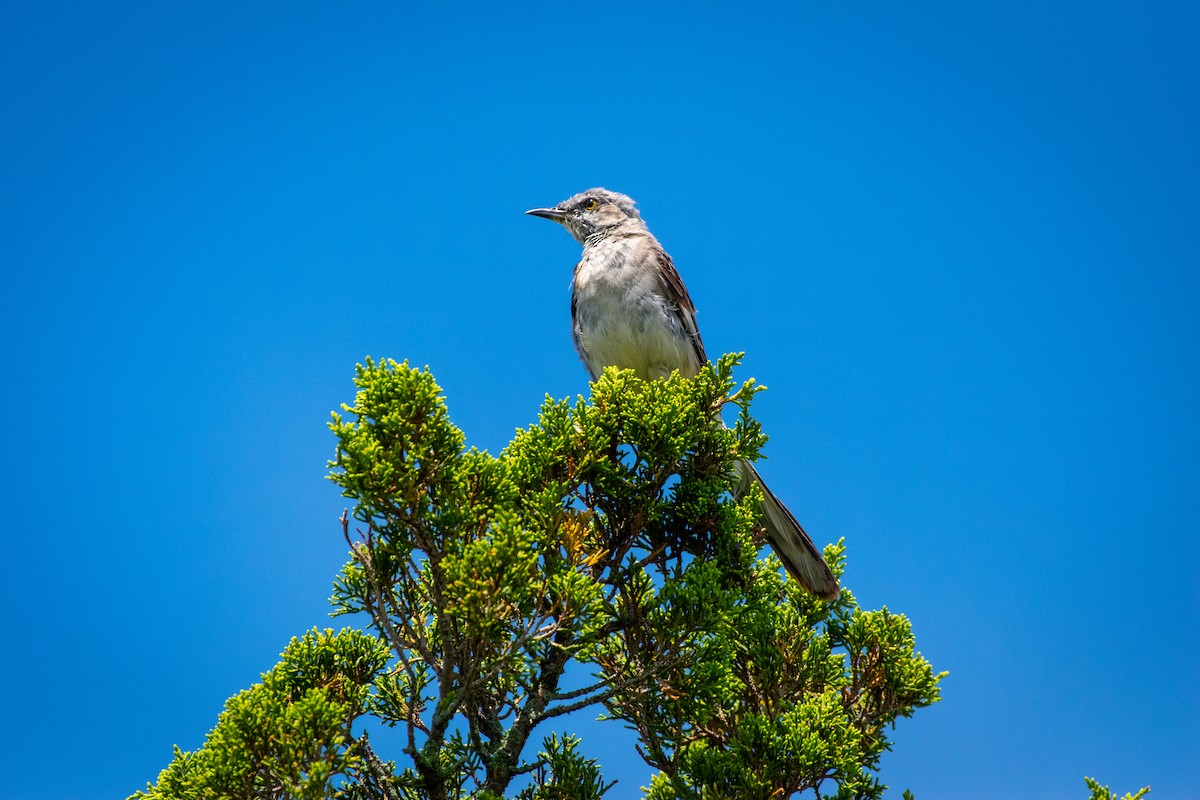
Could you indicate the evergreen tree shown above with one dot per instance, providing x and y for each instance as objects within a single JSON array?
[{"x": 605, "y": 536}]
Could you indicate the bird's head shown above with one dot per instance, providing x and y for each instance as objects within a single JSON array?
[{"x": 591, "y": 212}]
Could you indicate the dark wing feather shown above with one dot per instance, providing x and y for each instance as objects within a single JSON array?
[
  {"x": 678, "y": 296},
  {"x": 576, "y": 330}
]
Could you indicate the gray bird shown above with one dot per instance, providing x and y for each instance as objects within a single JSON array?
[{"x": 630, "y": 309}]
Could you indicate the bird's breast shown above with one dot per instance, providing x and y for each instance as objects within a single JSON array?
[{"x": 622, "y": 318}]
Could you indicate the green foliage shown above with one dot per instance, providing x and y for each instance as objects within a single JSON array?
[
  {"x": 562, "y": 773},
  {"x": 288, "y": 736},
  {"x": 805, "y": 694},
  {"x": 1104, "y": 793},
  {"x": 610, "y": 535}
]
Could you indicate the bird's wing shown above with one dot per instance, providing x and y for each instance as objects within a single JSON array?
[
  {"x": 577, "y": 329},
  {"x": 678, "y": 296}
]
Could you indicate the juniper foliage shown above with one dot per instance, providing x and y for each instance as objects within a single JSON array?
[{"x": 605, "y": 536}]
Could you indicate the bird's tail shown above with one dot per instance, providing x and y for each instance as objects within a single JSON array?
[{"x": 795, "y": 549}]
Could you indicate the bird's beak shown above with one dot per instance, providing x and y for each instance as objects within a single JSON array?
[{"x": 555, "y": 214}]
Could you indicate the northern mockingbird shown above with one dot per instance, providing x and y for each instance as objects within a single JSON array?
[{"x": 630, "y": 309}]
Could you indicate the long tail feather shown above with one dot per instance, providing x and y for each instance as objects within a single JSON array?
[{"x": 788, "y": 539}]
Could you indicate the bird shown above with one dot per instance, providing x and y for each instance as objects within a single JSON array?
[{"x": 630, "y": 309}]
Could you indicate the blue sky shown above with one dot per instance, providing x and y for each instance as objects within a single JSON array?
[{"x": 957, "y": 241}]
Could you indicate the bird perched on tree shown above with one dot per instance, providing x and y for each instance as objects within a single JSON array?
[{"x": 630, "y": 309}]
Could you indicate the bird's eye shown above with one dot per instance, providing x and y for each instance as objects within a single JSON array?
[{"x": 591, "y": 205}]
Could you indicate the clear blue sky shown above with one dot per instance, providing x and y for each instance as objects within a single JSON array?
[{"x": 957, "y": 241}]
